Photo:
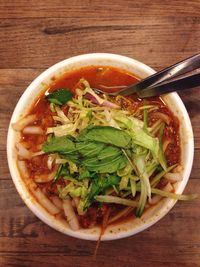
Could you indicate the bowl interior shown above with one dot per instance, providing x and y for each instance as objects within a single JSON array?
[{"x": 34, "y": 90}]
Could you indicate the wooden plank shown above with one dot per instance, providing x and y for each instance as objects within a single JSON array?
[
  {"x": 33, "y": 236},
  {"x": 89, "y": 9},
  {"x": 36, "y": 34},
  {"x": 40, "y": 42},
  {"x": 71, "y": 261}
]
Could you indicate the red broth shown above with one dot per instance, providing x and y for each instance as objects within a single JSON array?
[{"x": 96, "y": 76}]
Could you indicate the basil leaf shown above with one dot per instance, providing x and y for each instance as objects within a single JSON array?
[
  {"x": 96, "y": 156},
  {"x": 109, "y": 181},
  {"x": 109, "y": 152},
  {"x": 62, "y": 144},
  {"x": 84, "y": 174},
  {"x": 106, "y": 165},
  {"x": 107, "y": 135},
  {"x": 99, "y": 185},
  {"x": 89, "y": 149},
  {"x": 60, "y": 96}
]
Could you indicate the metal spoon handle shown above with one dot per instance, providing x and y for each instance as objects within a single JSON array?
[
  {"x": 176, "y": 85},
  {"x": 173, "y": 71}
]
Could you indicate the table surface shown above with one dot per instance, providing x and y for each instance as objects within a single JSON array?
[{"x": 36, "y": 34}]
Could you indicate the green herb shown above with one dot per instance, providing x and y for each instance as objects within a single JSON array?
[
  {"x": 98, "y": 185},
  {"x": 85, "y": 174},
  {"x": 89, "y": 149},
  {"x": 107, "y": 165},
  {"x": 93, "y": 149},
  {"x": 107, "y": 135},
  {"x": 62, "y": 171},
  {"x": 62, "y": 144},
  {"x": 59, "y": 97}
]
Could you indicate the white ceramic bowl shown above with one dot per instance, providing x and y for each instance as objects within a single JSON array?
[{"x": 139, "y": 69}]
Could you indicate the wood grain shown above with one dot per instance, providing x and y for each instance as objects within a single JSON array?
[
  {"x": 90, "y": 8},
  {"x": 36, "y": 34},
  {"x": 27, "y": 230},
  {"x": 41, "y": 42}
]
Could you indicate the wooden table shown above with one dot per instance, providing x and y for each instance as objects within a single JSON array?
[{"x": 36, "y": 34}]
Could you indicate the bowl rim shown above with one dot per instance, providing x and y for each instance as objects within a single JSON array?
[{"x": 23, "y": 190}]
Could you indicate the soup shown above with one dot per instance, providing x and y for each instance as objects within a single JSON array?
[{"x": 92, "y": 159}]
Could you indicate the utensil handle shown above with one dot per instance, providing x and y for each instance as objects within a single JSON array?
[
  {"x": 180, "y": 68},
  {"x": 176, "y": 85}
]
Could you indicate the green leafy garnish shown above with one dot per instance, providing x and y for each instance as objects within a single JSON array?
[
  {"x": 107, "y": 135},
  {"x": 96, "y": 148},
  {"x": 59, "y": 97},
  {"x": 63, "y": 144},
  {"x": 62, "y": 171},
  {"x": 100, "y": 185}
]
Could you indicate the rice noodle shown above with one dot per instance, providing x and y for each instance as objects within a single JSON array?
[
  {"x": 50, "y": 160},
  {"x": 38, "y": 153},
  {"x": 33, "y": 130},
  {"x": 178, "y": 168},
  {"x": 19, "y": 125},
  {"x": 70, "y": 214},
  {"x": 76, "y": 201},
  {"x": 44, "y": 178},
  {"x": 44, "y": 201},
  {"x": 73, "y": 204},
  {"x": 23, "y": 169},
  {"x": 23, "y": 152},
  {"x": 25, "y": 144},
  {"x": 60, "y": 218},
  {"x": 25, "y": 174},
  {"x": 155, "y": 199},
  {"x": 57, "y": 202}
]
